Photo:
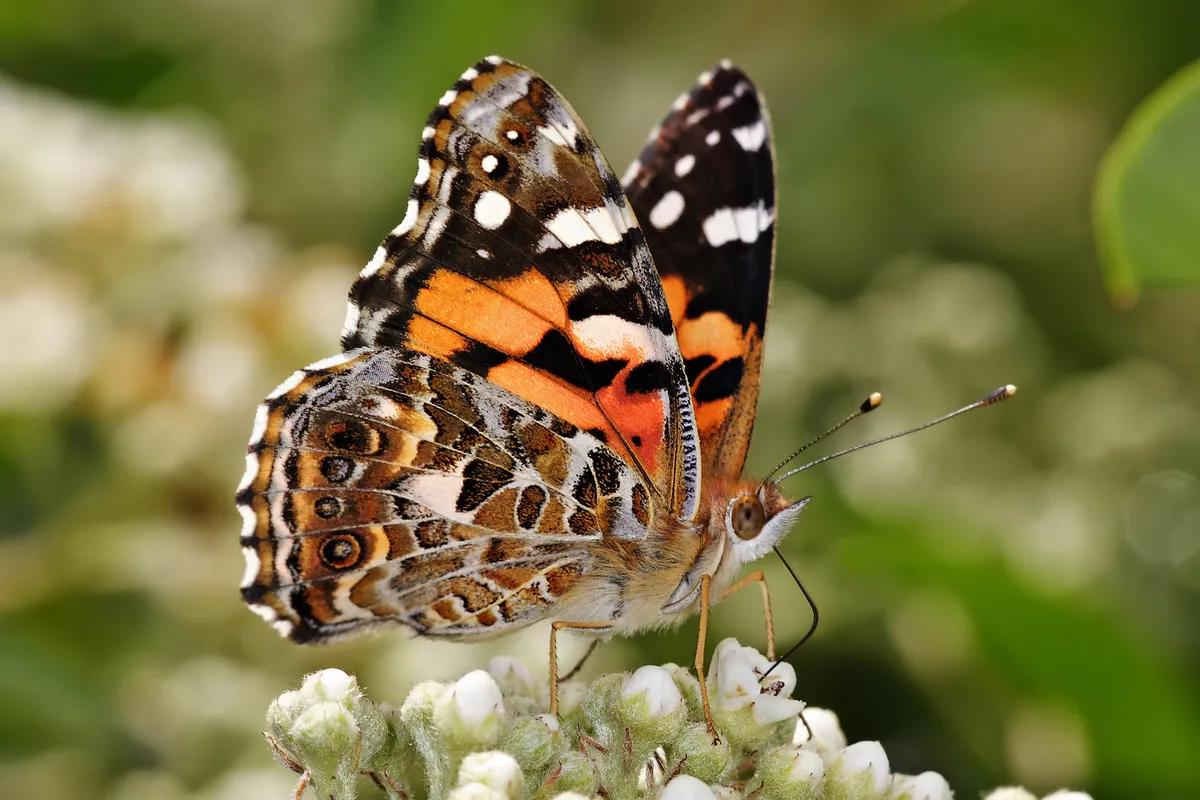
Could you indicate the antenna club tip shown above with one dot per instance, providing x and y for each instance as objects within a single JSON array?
[
  {"x": 1003, "y": 393},
  {"x": 871, "y": 403}
]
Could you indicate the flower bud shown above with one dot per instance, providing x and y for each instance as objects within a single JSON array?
[
  {"x": 535, "y": 741},
  {"x": 709, "y": 762},
  {"x": 926, "y": 786},
  {"x": 1067, "y": 794},
  {"x": 652, "y": 707},
  {"x": 495, "y": 769},
  {"x": 515, "y": 680},
  {"x": 826, "y": 736},
  {"x": 328, "y": 728},
  {"x": 862, "y": 770},
  {"x": 570, "y": 796},
  {"x": 685, "y": 787},
  {"x": 574, "y": 773},
  {"x": 472, "y": 711},
  {"x": 791, "y": 773}
]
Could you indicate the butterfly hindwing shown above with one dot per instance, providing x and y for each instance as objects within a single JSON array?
[
  {"x": 704, "y": 187},
  {"x": 520, "y": 260},
  {"x": 391, "y": 486}
]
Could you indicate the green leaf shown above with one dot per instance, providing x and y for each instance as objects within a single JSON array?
[{"x": 1147, "y": 204}]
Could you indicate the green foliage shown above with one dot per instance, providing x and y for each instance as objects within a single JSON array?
[{"x": 1147, "y": 209}]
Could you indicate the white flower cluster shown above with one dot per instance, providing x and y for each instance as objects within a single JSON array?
[{"x": 639, "y": 735}]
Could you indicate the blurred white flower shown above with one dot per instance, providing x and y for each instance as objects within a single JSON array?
[
  {"x": 48, "y": 336},
  {"x": 1066, "y": 794},
  {"x": 1009, "y": 793}
]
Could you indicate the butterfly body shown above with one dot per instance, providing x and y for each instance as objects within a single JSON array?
[{"x": 542, "y": 408}]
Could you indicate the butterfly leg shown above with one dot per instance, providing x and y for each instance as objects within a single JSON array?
[
  {"x": 555, "y": 627},
  {"x": 757, "y": 577},
  {"x": 701, "y": 639}
]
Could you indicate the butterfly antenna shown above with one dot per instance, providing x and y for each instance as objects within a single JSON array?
[
  {"x": 1003, "y": 393},
  {"x": 870, "y": 404},
  {"x": 816, "y": 616}
]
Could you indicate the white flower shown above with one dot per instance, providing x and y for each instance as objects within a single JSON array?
[
  {"x": 685, "y": 787},
  {"x": 498, "y": 770},
  {"x": 826, "y": 738},
  {"x": 472, "y": 708},
  {"x": 1010, "y": 793},
  {"x": 926, "y": 786},
  {"x": 738, "y": 676},
  {"x": 655, "y": 688},
  {"x": 864, "y": 760},
  {"x": 1067, "y": 794}
]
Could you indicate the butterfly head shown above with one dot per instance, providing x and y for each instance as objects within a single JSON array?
[{"x": 755, "y": 520}]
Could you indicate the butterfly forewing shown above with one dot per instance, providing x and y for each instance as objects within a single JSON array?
[
  {"x": 704, "y": 187},
  {"x": 519, "y": 260},
  {"x": 390, "y": 486}
]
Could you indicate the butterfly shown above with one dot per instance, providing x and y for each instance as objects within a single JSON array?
[{"x": 542, "y": 408}]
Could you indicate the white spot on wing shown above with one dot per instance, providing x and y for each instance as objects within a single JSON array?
[
  {"x": 713, "y": 137},
  {"x": 573, "y": 227},
  {"x": 351, "y": 324},
  {"x": 471, "y": 74},
  {"x": 410, "y": 219},
  {"x": 731, "y": 224},
  {"x": 494, "y": 60},
  {"x": 489, "y": 163},
  {"x": 375, "y": 264},
  {"x": 252, "y": 566},
  {"x": 667, "y": 210},
  {"x": 680, "y": 102},
  {"x": 684, "y": 165},
  {"x": 448, "y": 97},
  {"x": 491, "y": 209},
  {"x": 427, "y": 133},
  {"x": 292, "y": 382},
  {"x": 422, "y": 171},
  {"x": 630, "y": 173},
  {"x": 482, "y": 253},
  {"x": 260, "y": 424},
  {"x": 512, "y": 135},
  {"x": 751, "y": 137},
  {"x": 608, "y": 333},
  {"x": 331, "y": 361},
  {"x": 563, "y": 138},
  {"x": 251, "y": 470}
]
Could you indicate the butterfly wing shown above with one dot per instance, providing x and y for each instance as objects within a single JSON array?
[
  {"x": 704, "y": 186},
  {"x": 391, "y": 486},
  {"x": 520, "y": 260}
]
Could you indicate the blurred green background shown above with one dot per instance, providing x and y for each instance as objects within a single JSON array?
[{"x": 188, "y": 188}]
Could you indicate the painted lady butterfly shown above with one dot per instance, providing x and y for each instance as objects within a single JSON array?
[{"x": 533, "y": 417}]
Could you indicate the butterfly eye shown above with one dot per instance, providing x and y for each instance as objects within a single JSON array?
[{"x": 748, "y": 517}]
